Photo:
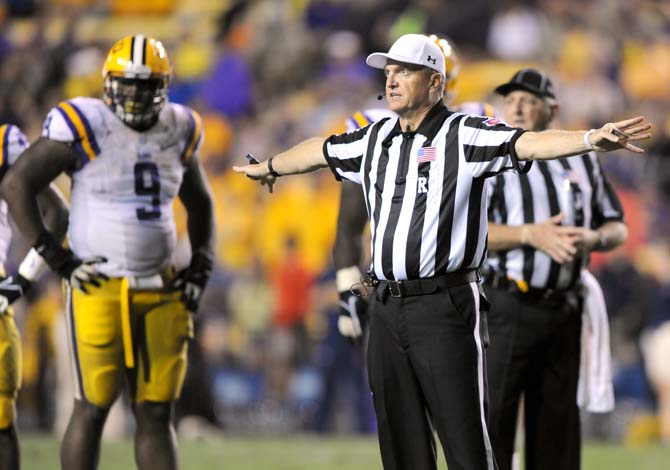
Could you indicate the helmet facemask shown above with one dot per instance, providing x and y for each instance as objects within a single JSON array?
[
  {"x": 136, "y": 74},
  {"x": 136, "y": 101}
]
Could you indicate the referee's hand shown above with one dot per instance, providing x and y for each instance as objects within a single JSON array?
[
  {"x": 353, "y": 317},
  {"x": 618, "y": 135},
  {"x": 259, "y": 172}
]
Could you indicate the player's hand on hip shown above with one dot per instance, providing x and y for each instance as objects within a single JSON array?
[
  {"x": 619, "y": 135},
  {"x": 78, "y": 272},
  {"x": 259, "y": 172},
  {"x": 12, "y": 288},
  {"x": 193, "y": 279},
  {"x": 85, "y": 273},
  {"x": 353, "y": 317}
]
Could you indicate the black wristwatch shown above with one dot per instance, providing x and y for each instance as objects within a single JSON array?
[{"x": 272, "y": 170}]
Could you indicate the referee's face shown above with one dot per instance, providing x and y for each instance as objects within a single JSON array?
[
  {"x": 527, "y": 110},
  {"x": 407, "y": 87}
]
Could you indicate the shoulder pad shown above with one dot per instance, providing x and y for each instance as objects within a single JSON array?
[
  {"x": 77, "y": 121},
  {"x": 189, "y": 125},
  {"x": 12, "y": 144}
]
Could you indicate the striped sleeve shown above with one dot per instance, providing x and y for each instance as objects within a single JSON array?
[
  {"x": 344, "y": 154},
  {"x": 13, "y": 143},
  {"x": 67, "y": 122},
  {"x": 605, "y": 203},
  {"x": 488, "y": 146},
  {"x": 194, "y": 135}
]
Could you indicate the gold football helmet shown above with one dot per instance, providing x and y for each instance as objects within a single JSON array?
[
  {"x": 136, "y": 74},
  {"x": 450, "y": 65}
]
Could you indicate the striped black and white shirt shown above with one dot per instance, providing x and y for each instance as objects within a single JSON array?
[
  {"x": 575, "y": 187},
  {"x": 424, "y": 190}
]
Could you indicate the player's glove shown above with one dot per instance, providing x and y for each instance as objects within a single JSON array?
[
  {"x": 192, "y": 280},
  {"x": 11, "y": 289},
  {"x": 78, "y": 272},
  {"x": 353, "y": 317}
]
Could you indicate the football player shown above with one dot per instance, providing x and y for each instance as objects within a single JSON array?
[
  {"x": 130, "y": 155},
  {"x": 54, "y": 212}
]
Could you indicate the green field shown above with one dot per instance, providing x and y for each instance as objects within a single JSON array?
[{"x": 309, "y": 453}]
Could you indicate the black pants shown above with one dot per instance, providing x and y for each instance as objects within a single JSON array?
[
  {"x": 426, "y": 368},
  {"x": 534, "y": 351}
]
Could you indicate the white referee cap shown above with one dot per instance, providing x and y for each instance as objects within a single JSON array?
[{"x": 411, "y": 49}]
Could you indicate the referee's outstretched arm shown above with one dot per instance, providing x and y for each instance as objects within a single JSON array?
[
  {"x": 552, "y": 144},
  {"x": 305, "y": 157}
]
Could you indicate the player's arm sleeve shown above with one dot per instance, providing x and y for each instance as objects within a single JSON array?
[
  {"x": 196, "y": 196},
  {"x": 351, "y": 222},
  {"x": 344, "y": 154},
  {"x": 40, "y": 164},
  {"x": 487, "y": 145}
]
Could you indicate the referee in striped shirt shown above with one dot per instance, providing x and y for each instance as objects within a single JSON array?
[
  {"x": 542, "y": 226},
  {"x": 423, "y": 176}
]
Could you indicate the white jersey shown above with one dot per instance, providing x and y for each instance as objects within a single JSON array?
[
  {"x": 361, "y": 119},
  {"x": 12, "y": 144},
  {"x": 121, "y": 200}
]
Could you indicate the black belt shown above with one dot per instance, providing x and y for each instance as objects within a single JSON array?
[
  {"x": 429, "y": 285},
  {"x": 532, "y": 294}
]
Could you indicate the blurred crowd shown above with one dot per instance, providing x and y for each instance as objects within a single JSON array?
[{"x": 266, "y": 74}]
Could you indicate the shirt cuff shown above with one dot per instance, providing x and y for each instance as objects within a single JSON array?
[
  {"x": 330, "y": 160},
  {"x": 519, "y": 166}
]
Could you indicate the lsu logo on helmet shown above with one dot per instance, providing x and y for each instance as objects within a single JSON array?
[
  {"x": 451, "y": 66},
  {"x": 136, "y": 75}
]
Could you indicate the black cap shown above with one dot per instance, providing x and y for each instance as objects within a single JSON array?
[{"x": 531, "y": 80}]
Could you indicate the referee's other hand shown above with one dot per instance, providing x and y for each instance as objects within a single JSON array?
[
  {"x": 558, "y": 241},
  {"x": 258, "y": 172},
  {"x": 618, "y": 135}
]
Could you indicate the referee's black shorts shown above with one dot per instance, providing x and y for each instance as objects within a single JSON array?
[{"x": 426, "y": 369}]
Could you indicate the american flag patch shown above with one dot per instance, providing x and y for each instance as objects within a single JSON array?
[{"x": 426, "y": 154}]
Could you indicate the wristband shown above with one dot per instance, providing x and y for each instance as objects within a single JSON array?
[
  {"x": 200, "y": 268},
  {"x": 61, "y": 260},
  {"x": 202, "y": 261},
  {"x": 32, "y": 266},
  {"x": 272, "y": 170},
  {"x": 587, "y": 142}
]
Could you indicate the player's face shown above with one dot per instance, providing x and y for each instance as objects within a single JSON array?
[
  {"x": 137, "y": 95},
  {"x": 407, "y": 87},
  {"x": 526, "y": 110}
]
